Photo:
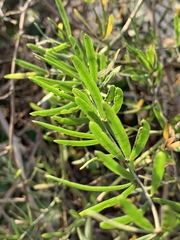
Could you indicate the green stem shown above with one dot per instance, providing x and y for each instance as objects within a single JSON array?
[{"x": 153, "y": 209}]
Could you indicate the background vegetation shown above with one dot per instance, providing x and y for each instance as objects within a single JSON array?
[{"x": 123, "y": 56}]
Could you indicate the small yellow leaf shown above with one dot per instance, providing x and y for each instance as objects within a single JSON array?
[
  {"x": 109, "y": 27},
  {"x": 104, "y": 2},
  {"x": 166, "y": 131},
  {"x": 140, "y": 103},
  {"x": 60, "y": 26}
]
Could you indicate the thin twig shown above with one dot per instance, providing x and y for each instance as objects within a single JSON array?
[
  {"x": 15, "y": 153},
  {"x": 13, "y": 68},
  {"x": 153, "y": 208},
  {"x": 128, "y": 22}
]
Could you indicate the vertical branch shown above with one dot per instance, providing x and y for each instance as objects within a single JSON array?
[{"x": 12, "y": 83}]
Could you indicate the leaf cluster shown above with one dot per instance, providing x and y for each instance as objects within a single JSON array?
[{"x": 84, "y": 105}]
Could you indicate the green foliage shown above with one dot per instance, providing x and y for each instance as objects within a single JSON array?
[
  {"x": 158, "y": 171},
  {"x": 78, "y": 82},
  {"x": 150, "y": 72}
]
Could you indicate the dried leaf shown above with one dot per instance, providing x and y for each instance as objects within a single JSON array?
[
  {"x": 140, "y": 103},
  {"x": 166, "y": 131},
  {"x": 109, "y": 27}
]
